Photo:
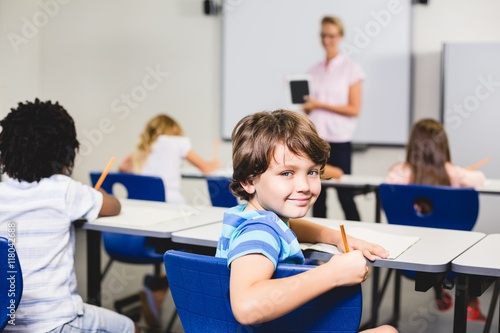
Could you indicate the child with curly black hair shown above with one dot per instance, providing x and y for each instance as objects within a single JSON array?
[{"x": 38, "y": 146}]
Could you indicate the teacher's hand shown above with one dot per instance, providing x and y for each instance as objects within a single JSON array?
[{"x": 310, "y": 104}]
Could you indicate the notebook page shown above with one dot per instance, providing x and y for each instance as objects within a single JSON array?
[{"x": 395, "y": 244}]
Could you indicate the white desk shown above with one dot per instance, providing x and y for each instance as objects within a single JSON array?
[
  {"x": 431, "y": 256},
  {"x": 433, "y": 253},
  {"x": 491, "y": 186},
  {"x": 192, "y": 172},
  {"x": 353, "y": 181},
  {"x": 371, "y": 183},
  {"x": 475, "y": 268},
  {"x": 198, "y": 216}
]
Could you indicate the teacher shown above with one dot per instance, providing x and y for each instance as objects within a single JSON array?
[{"x": 334, "y": 107}]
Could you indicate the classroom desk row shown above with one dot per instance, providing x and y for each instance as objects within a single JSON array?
[
  {"x": 362, "y": 183},
  {"x": 432, "y": 256},
  {"x": 491, "y": 186}
]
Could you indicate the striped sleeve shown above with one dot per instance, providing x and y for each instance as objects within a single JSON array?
[{"x": 256, "y": 238}]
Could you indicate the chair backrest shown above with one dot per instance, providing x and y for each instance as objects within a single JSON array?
[
  {"x": 220, "y": 194},
  {"x": 200, "y": 289},
  {"x": 451, "y": 207},
  {"x": 138, "y": 187},
  {"x": 11, "y": 282}
]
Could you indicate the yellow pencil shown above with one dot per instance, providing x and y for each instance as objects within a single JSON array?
[
  {"x": 479, "y": 164},
  {"x": 344, "y": 237},
  {"x": 104, "y": 173}
]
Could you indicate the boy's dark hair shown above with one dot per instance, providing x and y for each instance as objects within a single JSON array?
[
  {"x": 38, "y": 140},
  {"x": 255, "y": 138}
]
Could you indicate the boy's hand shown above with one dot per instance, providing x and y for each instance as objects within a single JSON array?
[
  {"x": 369, "y": 250},
  {"x": 350, "y": 268}
]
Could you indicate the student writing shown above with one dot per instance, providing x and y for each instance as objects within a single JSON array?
[
  {"x": 428, "y": 162},
  {"x": 38, "y": 145},
  {"x": 160, "y": 152},
  {"x": 278, "y": 159}
]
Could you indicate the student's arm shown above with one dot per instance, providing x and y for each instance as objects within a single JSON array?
[
  {"x": 110, "y": 204},
  {"x": 126, "y": 165},
  {"x": 200, "y": 163},
  {"x": 463, "y": 177},
  {"x": 310, "y": 232},
  {"x": 333, "y": 172},
  {"x": 256, "y": 298},
  {"x": 352, "y": 109}
]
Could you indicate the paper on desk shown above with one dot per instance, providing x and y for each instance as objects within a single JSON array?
[
  {"x": 395, "y": 244},
  {"x": 144, "y": 216}
]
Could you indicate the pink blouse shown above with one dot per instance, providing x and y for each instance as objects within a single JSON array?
[
  {"x": 330, "y": 84},
  {"x": 459, "y": 177}
]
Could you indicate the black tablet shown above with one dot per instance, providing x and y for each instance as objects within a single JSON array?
[{"x": 298, "y": 86}]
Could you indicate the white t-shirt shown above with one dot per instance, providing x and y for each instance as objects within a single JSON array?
[
  {"x": 43, "y": 213},
  {"x": 165, "y": 161},
  {"x": 330, "y": 83}
]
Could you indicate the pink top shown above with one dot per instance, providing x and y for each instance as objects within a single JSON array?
[
  {"x": 459, "y": 177},
  {"x": 330, "y": 84}
]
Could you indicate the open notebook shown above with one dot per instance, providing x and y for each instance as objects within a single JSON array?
[{"x": 395, "y": 244}]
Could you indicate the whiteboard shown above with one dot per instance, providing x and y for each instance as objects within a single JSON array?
[
  {"x": 265, "y": 40},
  {"x": 471, "y": 103}
]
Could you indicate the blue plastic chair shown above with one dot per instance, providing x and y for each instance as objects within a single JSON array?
[
  {"x": 450, "y": 208},
  {"x": 128, "y": 248},
  {"x": 220, "y": 194},
  {"x": 200, "y": 289},
  {"x": 11, "y": 282}
]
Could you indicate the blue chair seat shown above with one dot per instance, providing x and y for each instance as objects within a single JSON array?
[
  {"x": 129, "y": 248},
  {"x": 443, "y": 207},
  {"x": 200, "y": 289}
]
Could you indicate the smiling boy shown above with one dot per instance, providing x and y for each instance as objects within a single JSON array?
[{"x": 278, "y": 160}]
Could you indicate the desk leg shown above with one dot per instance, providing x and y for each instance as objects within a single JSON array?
[
  {"x": 461, "y": 298},
  {"x": 94, "y": 267}
]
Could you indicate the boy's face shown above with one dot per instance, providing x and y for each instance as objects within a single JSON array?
[{"x": 289, "y": 187}]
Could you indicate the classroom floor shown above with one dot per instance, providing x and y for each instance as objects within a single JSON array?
[{"x": 418, "y": 314}]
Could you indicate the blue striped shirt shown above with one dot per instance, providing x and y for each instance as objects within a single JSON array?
[{"x": 257, "y": 232}]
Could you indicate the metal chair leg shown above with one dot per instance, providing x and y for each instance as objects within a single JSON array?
[
  {"x": 171, "y": 322},
  {"x": 491, "y": 310}
]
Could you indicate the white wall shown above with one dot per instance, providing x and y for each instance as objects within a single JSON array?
[
  {"x": 446, "y": 21},
  {"x": 89, "y": 54}
]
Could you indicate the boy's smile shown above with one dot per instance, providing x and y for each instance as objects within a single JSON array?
[{"x": 289, "y": 187}]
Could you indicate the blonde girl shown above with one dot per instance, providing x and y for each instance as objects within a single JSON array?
[{"x": 160, "y": 152}]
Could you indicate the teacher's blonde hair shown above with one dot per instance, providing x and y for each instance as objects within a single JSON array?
[{"x": 336, "y": 21}]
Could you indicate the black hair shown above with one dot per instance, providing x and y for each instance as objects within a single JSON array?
[{"x": 38, "y": 140}]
